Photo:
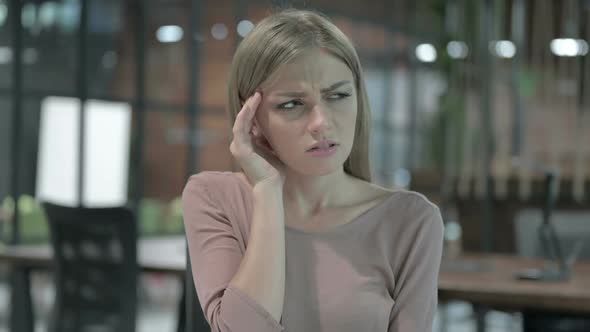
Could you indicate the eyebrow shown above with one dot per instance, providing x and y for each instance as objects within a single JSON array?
[{"x": 302, "y": 94}]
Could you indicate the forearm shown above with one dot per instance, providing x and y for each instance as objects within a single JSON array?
[{"x": 261, "y": 274}]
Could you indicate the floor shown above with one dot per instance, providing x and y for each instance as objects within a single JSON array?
[{"x": 158, "y": 312}]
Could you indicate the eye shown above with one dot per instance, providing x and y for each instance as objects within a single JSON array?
[
  {"x": 338, "y": 95},
  {"x": 289, "y": 105}
]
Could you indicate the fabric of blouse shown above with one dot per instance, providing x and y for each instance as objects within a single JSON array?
[{"x": 376, "y": 273}]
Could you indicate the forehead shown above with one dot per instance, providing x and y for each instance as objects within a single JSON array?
[{"x": 315, "y": 69}]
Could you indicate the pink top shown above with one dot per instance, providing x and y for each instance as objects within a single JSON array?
[{"x": 376, "y": 273}]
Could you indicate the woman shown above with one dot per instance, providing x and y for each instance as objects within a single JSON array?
[{"x": 302, "y": 240}]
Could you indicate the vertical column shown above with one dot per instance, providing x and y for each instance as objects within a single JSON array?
[
  {"x": 17, "y": 84},
  {"x": 518, "y": 35},
  {"x": 387, "y": 132},
  {"x": 21, "y": 310},
  {"x": 82, "y": 93},
  {"x": 192, "y": 110},
  {"x": 413, "y": 97},
  {"x": 487, "y": 79},
  {"x": 194, "y": 319},
  {"x": 140, "y": 7}
]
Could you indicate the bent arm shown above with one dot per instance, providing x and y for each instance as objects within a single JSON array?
[{"x": 237, "y": 291}]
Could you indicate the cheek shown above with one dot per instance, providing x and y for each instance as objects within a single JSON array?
[
  {"x": 273, "y": 128},
  {"x": 278, "y": 131},
  {"x": 349, "y": 114},
  {"x": 263, "y": 120},
  {"x": 286, "y": 136}
]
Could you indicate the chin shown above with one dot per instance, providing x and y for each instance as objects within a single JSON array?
[
  {"x": 322, "y": 172},
  {"x": 310, "y": 166},
  {"x": 320, "y": 168}
]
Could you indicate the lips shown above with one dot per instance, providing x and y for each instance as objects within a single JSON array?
[
  {"x": 322, "y": 145},
  {"x": 322, "y": 148}
]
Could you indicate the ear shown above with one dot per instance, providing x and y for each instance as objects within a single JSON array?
[{"x": 256, "y": 129}]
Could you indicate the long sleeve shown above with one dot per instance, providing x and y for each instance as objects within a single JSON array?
[
  {"x": 215, "y": 256},
  {"x": 416, "y": 291}
]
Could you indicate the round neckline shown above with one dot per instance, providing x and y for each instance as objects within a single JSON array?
[
  {"x": 336, "y": 228},
  {"x": 342, "y": 227}
]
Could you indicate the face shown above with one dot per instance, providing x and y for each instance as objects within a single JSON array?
[{"x": 310, "y": 99}]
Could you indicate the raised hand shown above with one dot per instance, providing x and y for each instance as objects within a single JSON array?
[{"x": 248, "y": 148}]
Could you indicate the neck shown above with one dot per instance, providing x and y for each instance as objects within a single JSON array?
[{"x": 309, "y": 195}]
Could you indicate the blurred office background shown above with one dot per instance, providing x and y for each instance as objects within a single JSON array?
[{"x": 107, "y": 102}]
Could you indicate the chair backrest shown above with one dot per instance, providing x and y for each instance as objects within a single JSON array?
[
  {"x": 96, "y": 271},
  {"x": 191, "y": 316}
]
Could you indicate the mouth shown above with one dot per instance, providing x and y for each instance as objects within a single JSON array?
[{"x": 317, "y": 148}]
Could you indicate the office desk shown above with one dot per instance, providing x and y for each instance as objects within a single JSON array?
[
  {"x": 158, "y": 254},
  {"x": 488, "y": 280},
  {"x": 477, "y": 278}
]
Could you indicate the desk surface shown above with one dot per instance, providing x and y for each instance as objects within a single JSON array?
[
  {"x": 489, "y": 280},
  {"x": 158, "y": 254}
]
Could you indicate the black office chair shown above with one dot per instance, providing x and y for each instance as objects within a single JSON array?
[
  {"x": 190, "y": 315},
  {"x": 569, "y": 232},
  {"x": 96, "y": 268},
  {"x": 570, "y": 228}
]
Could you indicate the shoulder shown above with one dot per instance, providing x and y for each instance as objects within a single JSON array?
[
  {"x": 210, "y": 177},
  {"x": 411, "y": 206},
  {"x": 408, "y": 211},
  {"x": 209, "y": 181},
  {"x": 417, "y": 229},
  {"x": 409, "y": 201},
  {"x": 216, "y": 199},
  {"x": 416, "y": 202},
  {"x": 415, "y": 213},
  {"x": 211, "y": 193},
  {"x": 211, "y": 188}
]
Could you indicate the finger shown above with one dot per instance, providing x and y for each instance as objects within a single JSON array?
[
  {"x": 250, "y": 112},
  {"x": 239, "y": 128},
  {"x": 244, "y": 118},
  {"x": 253, "y": 104}
]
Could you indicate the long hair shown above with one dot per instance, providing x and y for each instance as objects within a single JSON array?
[{"x": 278, "y": 39}]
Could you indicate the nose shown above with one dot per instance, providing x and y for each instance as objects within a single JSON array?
[{"x": 318, "y": 119}]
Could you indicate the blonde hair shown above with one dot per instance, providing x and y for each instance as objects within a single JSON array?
[{"x": 280, "y": 38}]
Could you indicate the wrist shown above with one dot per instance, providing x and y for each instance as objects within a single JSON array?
[{"x": 272, "y": 184}]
